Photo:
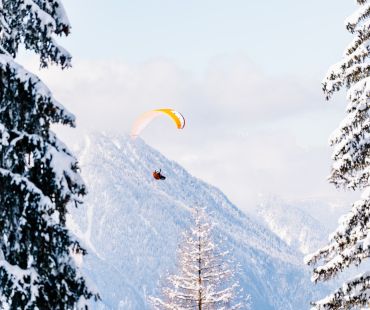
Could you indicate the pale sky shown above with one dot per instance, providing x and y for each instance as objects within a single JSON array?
[
  {"x": 287, "y": 36},
  {"x": 246, "y": 75}
]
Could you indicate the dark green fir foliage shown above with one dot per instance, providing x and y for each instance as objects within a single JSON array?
[{"x": 39, "y": 177}]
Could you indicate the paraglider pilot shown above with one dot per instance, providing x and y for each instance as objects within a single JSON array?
[{"x": 158, "y": 176}]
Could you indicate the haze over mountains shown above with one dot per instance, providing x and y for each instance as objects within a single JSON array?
[{"x": 131, "y": 226}]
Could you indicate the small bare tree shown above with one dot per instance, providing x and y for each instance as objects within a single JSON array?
[{"x": 205, "y": 280}]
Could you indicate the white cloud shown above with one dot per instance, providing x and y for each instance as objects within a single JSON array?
[
  {"x": 252, "y": 95},
  {"x": 112, "y": 93},
  {"x": 242, "y": 133}
]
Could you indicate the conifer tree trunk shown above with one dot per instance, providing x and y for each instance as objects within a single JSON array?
[{"x": 200, "y": 271}]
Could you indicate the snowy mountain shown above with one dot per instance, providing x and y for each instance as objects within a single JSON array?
[
  {"x": 131, "y": 226},
  {"x": 293, "y": 224},
  {"x": 328, "y": 213}
]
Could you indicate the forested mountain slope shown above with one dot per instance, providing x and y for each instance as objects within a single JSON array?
[{"x": 132, "y": 225}]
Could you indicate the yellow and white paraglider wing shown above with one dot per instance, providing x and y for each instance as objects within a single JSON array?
[{"x": 147, "y": 117}]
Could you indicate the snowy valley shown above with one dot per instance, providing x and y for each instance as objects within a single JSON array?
[{"x": 131, "y": 226}]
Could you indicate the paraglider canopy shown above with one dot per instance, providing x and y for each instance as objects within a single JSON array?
[{"x": 144, "y": 119}]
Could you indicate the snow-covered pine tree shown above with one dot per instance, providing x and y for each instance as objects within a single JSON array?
[
  {"x": 205, "y": 280},
  {"x": 349, "y": 244},
  {"x": 38, "y": 175}
]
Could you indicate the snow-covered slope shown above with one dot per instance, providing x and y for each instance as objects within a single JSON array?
[
  {"x": 293, "y": 224},
  {"x": 131, "y": 226}
]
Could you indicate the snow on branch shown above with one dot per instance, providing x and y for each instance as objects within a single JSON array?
[
  {"x": 353, "y": 67},
  {"x": 357, "y": 17},
  {"x": 349, "y": 244},
  {"x": 34, "y": 24},
  {"x": 39, "y": 176},
  {"x": 39, "y": 91},
  {"x": 205, "y": 278},
  {"x": 353, "y": 293},
  {"x": 25, "y": 184},
  {"x": 22, "y": 279}
]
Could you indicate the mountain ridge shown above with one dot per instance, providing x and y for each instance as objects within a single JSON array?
[{"x": 132, "y": 225}]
